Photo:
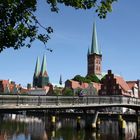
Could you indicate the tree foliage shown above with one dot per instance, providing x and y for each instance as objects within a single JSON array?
[
  {"x": 20, "y": 27},
  {"x": 93, "y": 78},
  {"x": 87, "y": 79},
  {"x": 81, "y": 79},
  {"x": 68, "y": 92}
]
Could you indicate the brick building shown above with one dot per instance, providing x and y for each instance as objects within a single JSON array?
[
  {"x": 89, "y": 88},
  {"x": 7, "y": 86},
  {"x": 114, "y": 85},
  {"x": 41, "y": 78},
  {"x": 94, "y": 56}
]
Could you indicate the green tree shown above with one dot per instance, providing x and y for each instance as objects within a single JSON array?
[
  {"x": 68, "y": 92},
  {"x": 19, "y": 26},
  {"x": 93, "y": 78},
  {"x": 81, "y": 79},
  {"x": 57, "y": 90}
]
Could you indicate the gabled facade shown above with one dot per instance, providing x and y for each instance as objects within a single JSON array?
[
  {"x": 7, "y": 86},
  {"x": 114, "y": 85},
  {"x": 133, "y": 85},
  {"x": 94, "y": 56},
  {"x": 40, "y": 78}
]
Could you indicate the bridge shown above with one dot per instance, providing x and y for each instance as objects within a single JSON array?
[{"x": 31, "y": 102}]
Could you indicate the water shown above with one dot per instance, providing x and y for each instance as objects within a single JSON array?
[{"x": 22, "y": 127}]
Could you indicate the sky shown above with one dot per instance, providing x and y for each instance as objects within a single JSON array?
[{"x": 118, "y": 37}]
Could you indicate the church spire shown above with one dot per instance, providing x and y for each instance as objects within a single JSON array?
[
  {"x": 94, "y": 56},
  {"x": 60, "y": 80},
  {"x": 37, "y": 68},
  {"x": 88, "y": 53},
  {"x": 94, "y": 44},
  {"x": 43, "y": 67}
]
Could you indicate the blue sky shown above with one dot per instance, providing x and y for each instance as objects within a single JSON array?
[{"x": 118, "y": 37}]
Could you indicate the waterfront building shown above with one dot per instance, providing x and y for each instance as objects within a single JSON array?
[
  {"x": 7, "y": 86},
  {"x": 85, "y": 88},
  {"x": 134, "y": 86},
  {"x": 114, "y": 85}
]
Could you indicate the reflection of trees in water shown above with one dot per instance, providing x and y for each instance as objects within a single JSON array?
[
  {"x": 12, "y": 127},
  {"x": 22, "y": 127},
  {"x": 14, "y": 130}
]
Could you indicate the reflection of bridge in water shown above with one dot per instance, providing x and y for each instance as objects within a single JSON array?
[
  {"x": 39, "y": 128},
  {"x": 22, "y": 102}
]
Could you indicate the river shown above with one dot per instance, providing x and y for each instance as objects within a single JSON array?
[{"x": 23, "y": 127}]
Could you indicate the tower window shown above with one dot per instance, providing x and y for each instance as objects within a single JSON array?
[{"x": 96, "y": 67}]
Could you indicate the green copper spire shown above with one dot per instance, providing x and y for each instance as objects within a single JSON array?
[
  {"x": 88, "y": 53},
  {"x": 37, "y": 68},
  {"x": 94, "y": 45},
  {"x": 60, "y": 80},
  {"x": 43, "y": 67}
]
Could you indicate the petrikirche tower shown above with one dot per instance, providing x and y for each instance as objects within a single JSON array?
[
  {"x": 94, "y": 56},
  {"x": 40, "y": 78}
]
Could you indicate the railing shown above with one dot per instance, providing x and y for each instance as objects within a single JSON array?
[{"x": 62, "y": 101}]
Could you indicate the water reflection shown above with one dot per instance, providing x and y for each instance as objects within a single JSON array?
[{"x": 21, "y": 127}]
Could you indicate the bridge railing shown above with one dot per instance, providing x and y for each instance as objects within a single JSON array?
[{"x": 65, "y": 100}]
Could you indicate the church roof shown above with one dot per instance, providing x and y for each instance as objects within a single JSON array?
[
  {"x": 43, "y": 67},
  {"x": 94, "y": 44},
  {"x": 37, "y": 68}
]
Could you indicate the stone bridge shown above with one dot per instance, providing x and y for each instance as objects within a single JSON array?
[{"x": 31, "y": 102}]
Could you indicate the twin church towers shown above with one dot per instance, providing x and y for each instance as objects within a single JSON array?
[
  {"x": 94, "y": 63},
  {"x": 40, "y": 78}
]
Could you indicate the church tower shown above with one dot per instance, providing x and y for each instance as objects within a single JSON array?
[
  {"x": 43, "y": 77},
  {"x": 40, "y": 78},
  {"x": 36, "y": 73},
  {"x": 94, "y": 56}
]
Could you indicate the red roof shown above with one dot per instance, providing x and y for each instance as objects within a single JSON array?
[
  {"x": 10, "y": 85},
  {"x": 131, "y": 84},
  {"x": 124, "y": 86},
  {"x": 76, "y": 84}
]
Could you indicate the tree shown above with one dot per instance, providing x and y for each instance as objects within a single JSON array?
[
  {"x": 93, "y": 78},
  {"x": 19, "y": 26},
  {"x": 68, "y": 92},
  {"x": 81, "y": 79},
  {"x": 87, "y": 79},
  {"x": 57, "y": 90}
]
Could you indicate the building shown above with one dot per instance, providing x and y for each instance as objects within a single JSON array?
[
  {"x": 94, "y": 67},
  {"x": 41, "y": 84},
  {"x": 87, "y": 88},
  {"x": 7, "y": 86},
  {"x": 94, "y": 56},
  {"x": 111, "y": 84},
  {"x": 114, "y": 85},
  {"x": 40, "y": 78},
  {"x": 133, "y": 85}
]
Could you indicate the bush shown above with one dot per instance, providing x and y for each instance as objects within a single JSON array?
[
  {"x": 87, "y": 79},
  {"x": 68, "y": 92}
]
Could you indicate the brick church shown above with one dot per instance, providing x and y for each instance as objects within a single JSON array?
[{"x": 41, "y": 78}]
